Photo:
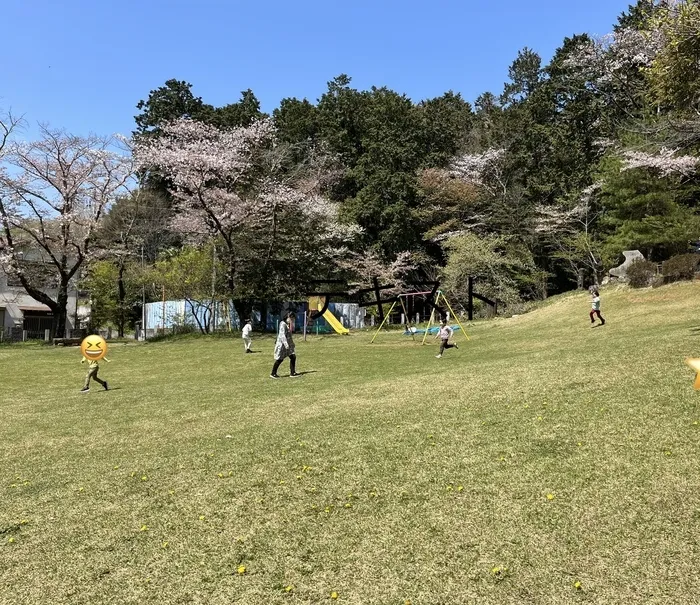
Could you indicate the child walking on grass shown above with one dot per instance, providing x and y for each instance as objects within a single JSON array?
[
  {"x": 247, "y": 331},
  {"x": 444, "y": 334},
  {"x": 93, "y": 368},
  {"x": 595, "y": 308},
  {"x": 284, "y": 347}
]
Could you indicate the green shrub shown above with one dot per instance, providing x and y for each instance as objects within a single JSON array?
[
  {"x": 640, "y": 273},
  {"x": 679, "y": 267}
]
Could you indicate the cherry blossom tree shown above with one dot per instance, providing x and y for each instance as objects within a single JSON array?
[
  {"x": 53, "y": 194},
  {"x": 232, "y": 185},
  {"x": 665, "y": 163},
  {"x": 570, "y": 229},
  {"x": 482, "y": 169}
]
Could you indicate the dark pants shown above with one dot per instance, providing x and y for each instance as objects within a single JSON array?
[
  {"x": 92, "y": 373},
  {"x": 596, "y": 312},
  {"x": 292, "y": 365},
  {"x": 445, "y": 345}
]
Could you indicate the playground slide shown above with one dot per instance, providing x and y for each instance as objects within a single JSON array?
[{"x": 334, "y": 323}]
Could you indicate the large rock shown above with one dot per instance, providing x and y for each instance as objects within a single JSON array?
[{"x": 630, "y": 256}]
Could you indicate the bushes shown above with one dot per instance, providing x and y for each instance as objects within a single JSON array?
[
  {"x": 640, "y": 273},
  {"x": 682, "y": 266}
]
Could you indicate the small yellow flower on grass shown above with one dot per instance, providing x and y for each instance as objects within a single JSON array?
[
  {"x": 165, "y": 545},
  {"x": 579, "y": 444},
  {"x": 334, "y": 595},
  {"x": 298, "y": 476},
  {"x": 577, "y": 585},
  {"x": 133, "y": 474},
  {"x": 23, "y": 522},
  {"x": 668, "y": 453},
  {"x": 289, "y": 588},
  {"x": 201, "y": 517},
  {"x": 11, "y": 540},
  {"x": 144, "y": 478},
  {"x": 116, "y": 467},
  {"x": 348, "y": 505},
  {"x": 81, "y": 489},
  {"x": 460, "y": 488},
  {"x": 550, "y": 496},
  {"x": 539, "y": 418},
  {"x": 144, "y": 528},
  {"x": 241, "y": 569},
  {"x": 499, "y": 572},
  {"x": 220, "y": 475},
  {"x": 282, "y": 482}
]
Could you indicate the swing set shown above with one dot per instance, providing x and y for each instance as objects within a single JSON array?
[{"x": 435, "y": 307}]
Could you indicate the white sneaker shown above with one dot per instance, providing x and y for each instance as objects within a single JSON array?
[{"x": 438, "y": 356}]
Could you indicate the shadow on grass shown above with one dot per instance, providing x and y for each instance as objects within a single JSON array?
[{"x": 300, "y": 373}]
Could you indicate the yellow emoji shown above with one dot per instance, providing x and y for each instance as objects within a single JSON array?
[
  {"x": 695, "y": 364},
  {"x": 93, "y": 347}
]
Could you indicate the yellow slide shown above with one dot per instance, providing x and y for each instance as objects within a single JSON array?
[
  {"x": 317, "y": 302},
  {"x": 334, "y": 323}
]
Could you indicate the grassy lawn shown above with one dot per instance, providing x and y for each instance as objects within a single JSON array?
[{"x": 540, "y": 455}]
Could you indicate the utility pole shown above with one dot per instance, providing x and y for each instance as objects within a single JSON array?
[{"x": 143, "y": 300}]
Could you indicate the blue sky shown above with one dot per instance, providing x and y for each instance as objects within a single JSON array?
[{"x": 83, "y": 65}]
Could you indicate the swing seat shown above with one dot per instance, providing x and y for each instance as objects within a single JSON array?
[{"x": 430, "y": 331}]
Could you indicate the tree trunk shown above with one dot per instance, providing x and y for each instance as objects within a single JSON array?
[
  {"x": 244, "y": 310},
  {"x": 61, "y": 312}
]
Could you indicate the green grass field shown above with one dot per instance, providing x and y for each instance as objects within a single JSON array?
[{"x": 542, "y": 462}]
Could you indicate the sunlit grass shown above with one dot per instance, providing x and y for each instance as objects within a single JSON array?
[{"x": 542, "y": 462}]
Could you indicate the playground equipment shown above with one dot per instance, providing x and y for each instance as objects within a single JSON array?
[
  {"x": 318, "y": 307},
  {"x": 630, "y": 256},
  {"x": 435, "y": 305},
  {"x": 432, "y": 316}
]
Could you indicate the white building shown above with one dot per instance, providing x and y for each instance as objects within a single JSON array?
[{"x": 23, "y": 317}]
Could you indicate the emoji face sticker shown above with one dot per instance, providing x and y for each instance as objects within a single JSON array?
[{"x": 93, "y": 347}]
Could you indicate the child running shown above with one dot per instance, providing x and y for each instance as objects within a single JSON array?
[
  {"x": 247, "y": 331},
  {"x": 284, "y": 347},
  {"x": 595, "y": 308},
  {"x": 444, "y": 333},
  {"x": 93, "y": 368}
]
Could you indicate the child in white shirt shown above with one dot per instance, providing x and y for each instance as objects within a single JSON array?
[
  {"x": 444, "y": 334},
  {"x": 247, "y": 331},
  {"x": 595, "y": 307}
]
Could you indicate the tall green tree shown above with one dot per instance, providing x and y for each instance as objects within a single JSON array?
[
  {"x": 167, "y": 103},
  {"x": 242, "y": 113}
]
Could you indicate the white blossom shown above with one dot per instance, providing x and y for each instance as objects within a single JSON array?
[{"x": 666, "y": 162}]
